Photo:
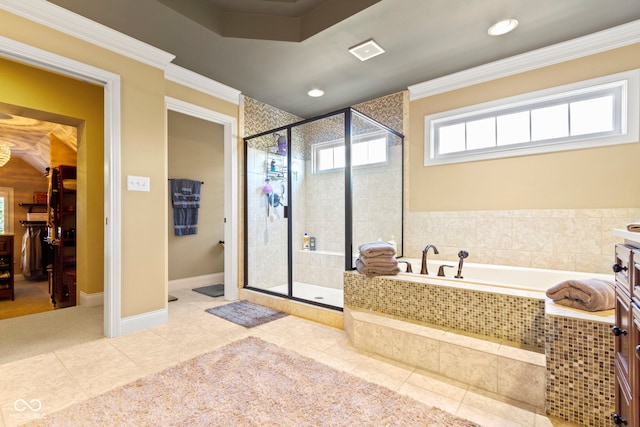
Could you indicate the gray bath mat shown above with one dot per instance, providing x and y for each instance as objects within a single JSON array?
[
  {"x": 211, "y": 290},
  {"x": 246, "y": 314}
]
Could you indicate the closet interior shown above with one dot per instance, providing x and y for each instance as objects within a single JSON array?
[{"x": 48, "y": 249}]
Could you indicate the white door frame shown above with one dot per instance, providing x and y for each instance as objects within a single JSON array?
[
  {"x": 24, "y": 53},
  {"x": 230, "y": 187}
]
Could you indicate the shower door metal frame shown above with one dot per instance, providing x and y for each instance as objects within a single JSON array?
[{"x": 348, "y": 179}]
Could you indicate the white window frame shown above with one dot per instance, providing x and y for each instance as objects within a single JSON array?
[
  {"x": 360, "y": 139},
  {"x": 626, "y": 124},
  {"x": 7, "y": 193}
]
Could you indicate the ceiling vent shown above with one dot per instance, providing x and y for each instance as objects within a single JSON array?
[{"x": 366, "y": 50}]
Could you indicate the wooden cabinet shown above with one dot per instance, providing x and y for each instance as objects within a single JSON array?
[
  {"x": 6, "y": 267},
  {"x": 626, "y": 330},
  {"x": 62, "y": 204}
]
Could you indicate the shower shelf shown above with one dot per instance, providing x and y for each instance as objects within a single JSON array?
[{"x": 275, "y": 165}]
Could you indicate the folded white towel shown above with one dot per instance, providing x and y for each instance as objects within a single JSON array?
[
  {"x": 379, "y": 261},
  {"x": 634, "y": 226},
  {"x": 376, "y": 249},
  {"x": 589, "y": 294},
  {"x": 371, "y": 271}
]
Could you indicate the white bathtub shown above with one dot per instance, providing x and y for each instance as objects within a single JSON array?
[{"x": 530, "y": 279}]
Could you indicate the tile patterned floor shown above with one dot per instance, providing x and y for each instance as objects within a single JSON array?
[{"x": 60, "y": 378}]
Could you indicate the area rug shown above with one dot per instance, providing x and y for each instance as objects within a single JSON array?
[
  {"x": 246, "y": 313},
  {"x": 252, "y": 383},
  {"x": 211, "y": 290}
]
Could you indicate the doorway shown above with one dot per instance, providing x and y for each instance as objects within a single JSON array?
[
  {"x": 40, "y": 143},
  {"x": 230, "y": 184},
  {"x": 196, "y": 158}
]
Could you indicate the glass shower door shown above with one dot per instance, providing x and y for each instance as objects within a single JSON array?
[
  {"x": 318, "y": 210},
  {"x": 267, "y": 214}
]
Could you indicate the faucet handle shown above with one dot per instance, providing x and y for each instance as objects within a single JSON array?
[
  {"x": 409, "y": 269},
  {"x": 441, "y": 270}
]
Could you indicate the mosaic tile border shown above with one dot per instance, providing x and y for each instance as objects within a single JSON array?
[
  {"x": 580, "y": 370},
  {"x": 516, "y": 319}
]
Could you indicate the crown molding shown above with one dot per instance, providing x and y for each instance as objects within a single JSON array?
[
  {"x": 601, "y": 41},
  {"x": 188, "y": 78},
  {"x": 70, "y": 23}
]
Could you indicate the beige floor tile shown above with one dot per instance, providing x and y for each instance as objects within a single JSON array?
[
  {"x": 98, "y": 366},
  {"x": 148, "y": 350},
  {"x": 500, "y": 407},
  {"x": 485, "y": 418},
  {"x": 48, "y": 389},
  {"x": 435, "y": 383},
  {"x": 61, "y": 378},
  {"x": 430, "y": 397}
]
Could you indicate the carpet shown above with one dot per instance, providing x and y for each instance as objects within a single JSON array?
[
  {"x": 211, "y": 290},
  {"x": 246, "y": 314},
  {"x": 30, "y": 298},
  {"x": 251, "y": 382}
]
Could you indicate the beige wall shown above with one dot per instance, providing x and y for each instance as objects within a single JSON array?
[
  {"x": 196, "y": 151},
  {"x": 590, "y": 178},
  {"x": 555, "y": 210},
  {"x": 143, "y": 153}
]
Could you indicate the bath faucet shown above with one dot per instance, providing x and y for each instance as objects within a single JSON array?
[
  {"x": 424, "y": 270},
  {"x": 462, "y": 255}
]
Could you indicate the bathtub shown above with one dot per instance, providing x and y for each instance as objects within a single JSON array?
[{"x": 522, "y": 278}]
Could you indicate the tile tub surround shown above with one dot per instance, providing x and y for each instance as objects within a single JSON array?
[
  {"x": 506, "y": 371},
  {"x": 498, "y": 314},
  {"x": 557, "y": 239},
  {"x": 580, "y": 369},
  {"x": 578, "y": 345}
]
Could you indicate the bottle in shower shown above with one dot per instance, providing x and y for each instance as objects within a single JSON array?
[{"x": 306, "y": 242}]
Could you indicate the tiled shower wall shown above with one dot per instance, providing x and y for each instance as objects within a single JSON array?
[
  {"x": 559, "y": 239},
  {"x": 319, "y": 198}
]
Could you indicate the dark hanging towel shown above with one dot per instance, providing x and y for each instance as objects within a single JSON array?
[{"x": 185, "y": 199}]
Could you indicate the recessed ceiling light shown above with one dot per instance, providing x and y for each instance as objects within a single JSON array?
[
  {"x": 366, "y": 50},
  {"x": 315, "y": 93},
  {"x": 503, "y": 27}
]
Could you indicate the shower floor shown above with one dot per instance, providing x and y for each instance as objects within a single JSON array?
[{"x": 321, "y": 294}]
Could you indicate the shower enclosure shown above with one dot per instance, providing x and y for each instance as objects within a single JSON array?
[{"x": 314, "y": 192}]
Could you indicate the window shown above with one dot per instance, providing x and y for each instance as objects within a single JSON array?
[
  {"x": 6, "y": 210},
  {"x": 365, "y": 150},
  {"x": 592, "y": 113}
]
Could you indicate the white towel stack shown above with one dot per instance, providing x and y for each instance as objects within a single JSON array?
[{"x": 377, "y": 259}]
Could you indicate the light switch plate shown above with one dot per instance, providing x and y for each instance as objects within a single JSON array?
[{"x": 137, "y": 183}]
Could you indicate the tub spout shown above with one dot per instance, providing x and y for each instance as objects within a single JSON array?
[
  {"x": 424, "y": 270},
  {"x": 462, "y": 255}
]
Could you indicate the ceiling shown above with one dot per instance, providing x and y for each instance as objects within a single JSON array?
[
  {"x": 28, "y": 133},
  {"x": 240, "y": 42},
  {"x": 275, "y": 51}
]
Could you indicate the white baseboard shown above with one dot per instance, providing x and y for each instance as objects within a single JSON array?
[
  {"x": 196, "y": 281},
  {"x": 90, "y": 300},
  {"x": 143, "y": 321}
]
